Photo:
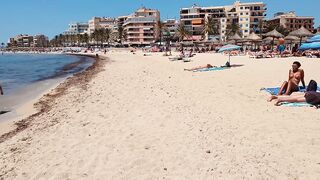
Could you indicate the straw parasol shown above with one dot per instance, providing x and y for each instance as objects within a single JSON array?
[
  {"x": 274, "y": 34},
  {"x": 291, "y": 39},
  {"x": 236, "y": 37},
  {"x": 253, "y": 38},
  {"x": 302, "y": 32}
]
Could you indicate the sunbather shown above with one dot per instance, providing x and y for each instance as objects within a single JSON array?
[
  {"x": 295, "y": 76},
  {"x": 200, "y": 67},
  {"x": 310, "y": 96}
]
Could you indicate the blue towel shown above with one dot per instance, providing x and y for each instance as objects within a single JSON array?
[
  {"x": 274, "y": 91},
  {"x": 297, "y": 104},
  {"x": 209, "y": 69}
]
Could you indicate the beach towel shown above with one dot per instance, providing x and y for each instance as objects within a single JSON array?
[
  {"x": 297, "y": 104},
  {"x": 210, "y": 69},
  {"x": 274, "y": 91}
]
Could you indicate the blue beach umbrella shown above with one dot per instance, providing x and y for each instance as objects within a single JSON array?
[
  {"x": 315, "y": 38},
  {"x": 313, "y": 45},
  {"x": 229, "y": 47}
]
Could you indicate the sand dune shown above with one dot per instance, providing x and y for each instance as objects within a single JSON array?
[{"x": 147, "y": 118}]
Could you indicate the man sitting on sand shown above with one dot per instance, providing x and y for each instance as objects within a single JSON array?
[
  {"x": 295, "y": 76},
  {"x": 310, "y": 96},
  {"x": 200, "y": 67}
]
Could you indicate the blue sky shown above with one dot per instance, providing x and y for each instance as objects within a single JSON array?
[{"x": 51, "y": 17}]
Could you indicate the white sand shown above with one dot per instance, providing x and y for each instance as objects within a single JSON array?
[{"x": 146, "y": 118}]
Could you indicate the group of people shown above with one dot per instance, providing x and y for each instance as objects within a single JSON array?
[{"x": 290, "y": 90}]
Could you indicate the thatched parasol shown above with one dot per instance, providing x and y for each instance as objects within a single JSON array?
[
  {"x": 302, "y": 32},
  {"x": 236, "y": 37},
  {"x": 274, "y": 34}
]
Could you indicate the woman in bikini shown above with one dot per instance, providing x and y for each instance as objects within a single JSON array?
[{"x": 295, "y": 76}]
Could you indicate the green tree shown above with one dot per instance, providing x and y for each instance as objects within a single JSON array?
[
  {"x": 232, "y": 29},
  {"x": 182, "y": 32},
  {"x": 210, "y": 27}
]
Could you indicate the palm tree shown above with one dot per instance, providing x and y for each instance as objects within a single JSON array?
[
  {"x": 210, "y": 27},
  {"x": 182, "y": 32},
  {"x": 161, "y": 28},
  {"x": 120, "y": 33},
  {"x": 232, "y": 29},
  {"x": 106, "y": 35},
  {"x": 86, "y": 39}
]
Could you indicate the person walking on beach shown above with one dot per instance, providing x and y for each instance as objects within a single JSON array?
[
  {"x": 295, "y": 76},
  {"x": 1, "y": 90}
]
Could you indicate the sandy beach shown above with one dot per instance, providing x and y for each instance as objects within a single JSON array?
[{"x": 143, "y": 117}]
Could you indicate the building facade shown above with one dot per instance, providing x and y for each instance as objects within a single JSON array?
[
  {"x": 21, "y": 40},
  {"x": 40, "y": 41},
  {"x": 77, "y": 28},
  {"x": 171, "y": 26},
  {"x": 246, "y": 15},
  {"x": 291, "y": 21},
  {"x": 140, "y": 28},
  {"x": 25, "y": 40},
  {"x": 102, "y": 23}
]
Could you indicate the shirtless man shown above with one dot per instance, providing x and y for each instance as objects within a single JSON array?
[{"x": 295, "y": 76}]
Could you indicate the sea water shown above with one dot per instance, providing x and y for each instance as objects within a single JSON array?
[{"x": 25, "y": 76}]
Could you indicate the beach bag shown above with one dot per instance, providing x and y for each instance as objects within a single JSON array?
[{"x": 312, "y": 86}]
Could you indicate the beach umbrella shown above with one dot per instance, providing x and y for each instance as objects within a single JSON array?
[
  {"x": 302, "y": 32},
  {"x": 229, "y": 47},
  {"x": 274, "y": 34},
  {"x": 313, "y": 45},
  {"x": 315, "y": 38}
]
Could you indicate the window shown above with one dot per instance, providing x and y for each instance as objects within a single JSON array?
[
  {"x": 241, "y": 25},
  {"x": 241, "y": 7},
  {"x": 247, "y": 13},
  {"x": 247, "y": 19},
  {"x": 241, "y": 14},
  {"x": 223, "y": 20},
  {"x": 247, "y": 25},
  {"x": 245, "y": 30},
  {"x": 240, "y": 19}
]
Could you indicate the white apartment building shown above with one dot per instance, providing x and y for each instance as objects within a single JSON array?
[
  {"x": 246, "y": 15},
  {"x": 77, "y": 28}
]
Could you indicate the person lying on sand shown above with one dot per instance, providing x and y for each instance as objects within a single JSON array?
[
  {"x": 295, "y": 76},
  {"x": 310, "y": 96},
  {"x": 200, "y": 67}
]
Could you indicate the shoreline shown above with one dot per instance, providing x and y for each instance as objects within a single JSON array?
[{"x": 43, "y": 102}]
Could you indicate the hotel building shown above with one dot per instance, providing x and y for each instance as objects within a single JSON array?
[
  {"x": 171, "y": 25},
  {"x": 102, "y": 23},
  {"x": 291, "y": 21},
  {"x": 246, "y": 15},
  {"x": 77, "y": 28},
  {"x": 141, "y": 27},
  {"x": 21, "y": 40},
  {"x": 25, "y": 40},
  {"x": 40, "y": 41}
]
